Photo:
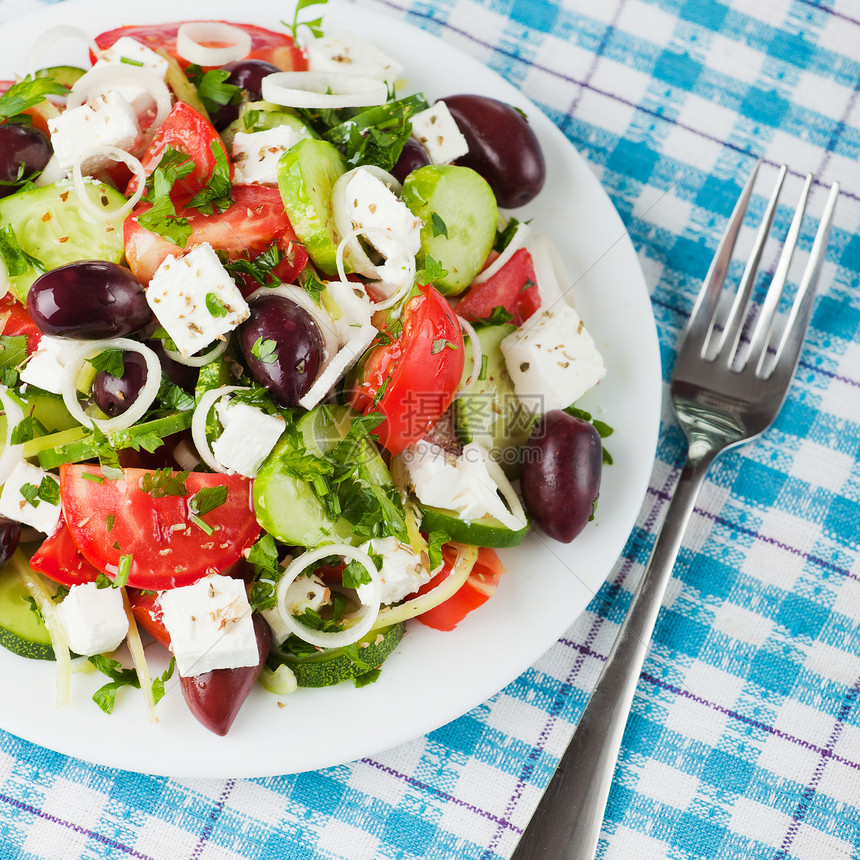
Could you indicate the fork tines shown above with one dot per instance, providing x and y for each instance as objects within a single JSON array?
[{"x": 722, "y": 339}]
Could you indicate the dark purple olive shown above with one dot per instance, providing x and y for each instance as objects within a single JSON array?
[
  {"x": 216, "y": 697},
  {"x": 24, "y": 150},
  {"x": 10, "y": 534},
  {"x": 560, "y": 474},
  {"x": 503, "y": 148},
  {"x": 112, "y": 394},
  {"x": 89, "y": 300},
  {"x": 182, "y": 375},
  {"x": 248, "y": 75},
  {"x": 283, "y": 347},
  {"x": 412, "y": 156}
]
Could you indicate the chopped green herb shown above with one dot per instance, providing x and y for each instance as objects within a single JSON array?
[
  {"x": 265, "y": 350},
  {"x": 105, "y": 697},
  {"x": 28, "y": 428},
  {"x": 89, "y": 476},
  {"x": 215, "y": 306},
  {"x": 110, "y": 361},
  {"x": 15, "y": 258},
  {"x": 158, "y": 683},
  {"x": 123, "y": 570},
  {"x": 439, "y": 344},
  {"x": 26, "y": 94},
  {"x": 314, "y": 25},
  {"x": 110, "y": 521},
  {"x": 207, "y": 499},
  {"x": 438, "y": 225},
  {"x": 164, "y": 482}
]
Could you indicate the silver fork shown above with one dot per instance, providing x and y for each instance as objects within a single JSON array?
[{"x": 726, "y": 390}]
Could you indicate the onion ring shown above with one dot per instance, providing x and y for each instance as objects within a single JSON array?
[
  {"x": 322, "y": 90},
  {"x": 192, "y": 34}
]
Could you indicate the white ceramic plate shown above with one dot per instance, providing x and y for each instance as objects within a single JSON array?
[{"x": 433, "y": 677}]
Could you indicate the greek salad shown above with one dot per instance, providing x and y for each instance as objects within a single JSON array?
[{"x": 280, "y": 368}]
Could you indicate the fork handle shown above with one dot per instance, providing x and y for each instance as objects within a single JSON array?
[{"x": 566, "y": 824}]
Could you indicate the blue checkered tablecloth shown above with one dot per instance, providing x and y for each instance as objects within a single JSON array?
[{"x": 744, "y": 741}]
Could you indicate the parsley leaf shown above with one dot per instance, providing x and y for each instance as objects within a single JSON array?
[
  {"x": 15, "y": 258},
  {"x": 265, "y": 350},
  {"x": 107, "y": 456},
  {"x": 355, "y": 574},
  {"x": 260, "y": 268},
  {"x": 206, "y": 499},
  {"x": 440, "y": 228},
  {"x": 49, "y": 490},
  {"x": 215, "y": 306},
  {"x": 314, "y": 25},
  {"x": 263, "y": 557},
  {"x": 212, "y": 87},
  {"x": 172, "y": 396},
  {"x": 105, "y": 697},
  {"x": 123, "y": 570},
  {"x": 162, "y": 218},
  {"x": 164, "y": 482},
  {"x": 158, "y": 683},
  {"x": 29, "y": 428},
  {"x": 110, "y": 361},
  {"x": 28, "y": 93},
  {"x": 498, "y": 316},
  {"x": 216, "y": 194}
]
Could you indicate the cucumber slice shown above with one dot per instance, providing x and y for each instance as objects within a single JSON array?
[
  {"x": 326, "y": 668},
  {"x": 59, "y": 448},
  {"x": 51, "y": 226},
  {"x": 491, "y": 413},
  {"x": 22, "y": 631},
  {"x": 49, "y": 410},
  {"x": 459, "y": 212},
  {"x": 487, "y": 531},
  {"x": 65, "y": 75},
  {"x": 307, "y": 173}
]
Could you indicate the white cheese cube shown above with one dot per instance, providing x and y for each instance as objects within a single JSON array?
[
  {"x": 195, "y": 299},
  {"x": 93, "y": 619},
  {"x": 248, "y": 438},
  {"x": 105, "y": 120},
  {"x": 349, "y": 307},
  {"x": 392, "y": 228},
  {"x": 306, "y": 592},
  {"x": 462, "y": 484},
  {"x": 256, "y": 154},
  {"x": 552, "y": 359},
  {"x": 402, "y": 571},
  {"x": 46, "y": 365},
  {"x": 42, "y": 514},
  {"x": 131, "y": 52},
  {"x": 352, "y": 55},
  {"x": 437, "y": 131},
  {"x": 210, "y": 625}
]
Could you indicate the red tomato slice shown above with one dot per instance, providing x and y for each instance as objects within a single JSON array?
[
  {"x": 246, "y": 229},
  {"x": 513, "y": 287},
  {"x": 148, "y": 614},
  {"x": 59, "y": 559},
  {"x": 190, "y": 132},
  {"x": 475, "y": 591},
  {"x": 15, "y": 319},
  {"x": 109, "y": 519},
  {"x": 412, "y": 380},
  {"x": 268, "y": 45}
]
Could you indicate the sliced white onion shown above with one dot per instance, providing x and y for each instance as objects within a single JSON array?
[
  {"x": 477, "y": 356},
  {"x": 516, "y": 519},
  {"x": 11, "y": 455},
  {"x": 199, "y": 359},
  {"x": 551, "y": 277},
  {"x": 304, "y": 301},
  {"x": 62, "y": 31},
  {"x": 517, "y": 241},
  {"x": 466, "y": 558},
  {"x": 144, "y": 399},
  {"x": 198, "y": 425},
  {"x": 100, "y": 79},
  {"x": 52, "y": 172},
  {"x": 346, "y": 357},
  {"x": 236, "y": 43},
  {"x": 370, "y": 593},
  {"x": 322, "y": 90},
  {"x": 115, "y": 154},
  {"x": 186, "y": 455}
]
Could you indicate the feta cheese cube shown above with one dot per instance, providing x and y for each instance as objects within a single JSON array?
[
  {"x": 105, "y": 120},
  {"x": 552, "y": 359},
  {"x": 94, "y": 619},
  {"x": 349, "y": 307},
  {"x": 131, "y": 52},
  {"x": 210, "y": 625},
  {"x": 40, "y": 513},
  {"x": 458, "y": 483},
  {"x": 392, "y": 228},
  {"x": 248, "y": 438},
  {"x": 195, "y": 299},
  {"x": 47, "y": 364},
  {"x": 402, "y": 571},
  {"x": 256, "y": 154},
  {"x": 306, "y": 592},
  {"x": 438, "y": 133},
  {"x": 353, "y": 55}
]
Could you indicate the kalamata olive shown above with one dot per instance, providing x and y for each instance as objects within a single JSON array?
[
  {"x": 216, "y": 697},
  {"x": 24, "y": 150},
  {"x": 90, "y": 300},
  {"x": 412, "y": 156},
  {"x": 560, "y": 474},
  {"x": 112, "y": 394},
  {"x": 503, "y": 148},
  {"x": 10, "y": 534},
  {"x": 283, "y": 347},
  {"x": 248, "y": 75}
]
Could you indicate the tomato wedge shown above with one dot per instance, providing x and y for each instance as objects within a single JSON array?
[
  {"x": 15, "y": 319},
  {"x": 59, "y": 559},
  {"x": 248, "y": 227},
  {"x": 513, "y": 287},
  {"x": 268, "y": 45},
  {"x": 413, "y": 379},
  {"x": 164, "y": 546},
  {"x": 474, "y": 592}
]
